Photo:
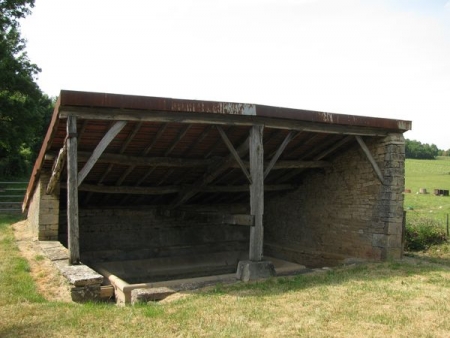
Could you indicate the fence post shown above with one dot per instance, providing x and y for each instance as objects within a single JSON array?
[{"x": 447, "y": 226}]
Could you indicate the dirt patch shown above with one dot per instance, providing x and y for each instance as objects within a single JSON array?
[{"x": 49, "y": 281}]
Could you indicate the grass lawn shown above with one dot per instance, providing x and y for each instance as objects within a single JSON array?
[
  {"x": 428, "y": 174},
  {"x": 409, "y": 298}
]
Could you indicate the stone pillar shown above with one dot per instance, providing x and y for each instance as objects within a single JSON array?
[
  {"x": 43, "y": 212},
  {"x": 390, "y": 204}
]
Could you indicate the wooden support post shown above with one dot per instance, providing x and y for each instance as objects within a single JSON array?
[
  {"x": 72, "y": 191},
  {"x": 256, "y": 192}
]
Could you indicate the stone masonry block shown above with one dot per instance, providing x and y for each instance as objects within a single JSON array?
[
  {"x": 379, "y": 240},
  {"x": 394, "y": 241},
  {"x": 249, "y": 270},
  {"x": 48, "y": 218},
  {"x": 395, "y": 228},
  {"x": 87, "y": 293}
]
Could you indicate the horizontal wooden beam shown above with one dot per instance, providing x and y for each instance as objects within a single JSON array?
[
  {"x": 232, "y": 219},
  {"x": 214, "y": 217},
  {"x": 145, "y": 161},
  {"x": 171, "y": 162},
  {"x": 163, "y": 190},
  {"x": 110, "y": 114},
  {"x": 107, "y": 189}
]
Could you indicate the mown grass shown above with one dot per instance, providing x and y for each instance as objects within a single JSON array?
[
  {"x": 428, "y": 174},
  {"x": 409, "y": 298}
]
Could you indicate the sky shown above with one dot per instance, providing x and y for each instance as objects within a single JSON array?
[{"x": 383, "y": 58}]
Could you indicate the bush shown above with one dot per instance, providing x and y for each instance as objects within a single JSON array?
[{"x": 422, "y": 233}]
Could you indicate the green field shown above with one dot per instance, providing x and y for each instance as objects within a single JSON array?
[{"x": 429, "y": 175}]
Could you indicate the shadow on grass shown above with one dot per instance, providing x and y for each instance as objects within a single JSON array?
[
  {"x": 444, "y": 261},
  {"x": 365, "y": 273}
]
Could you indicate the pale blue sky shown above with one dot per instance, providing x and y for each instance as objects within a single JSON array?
[{"x": 385, "y": 58}]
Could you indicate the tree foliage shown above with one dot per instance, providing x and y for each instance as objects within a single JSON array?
[
  {"x": 23, "y": 106},
  {"x": 418, "y": 150}
]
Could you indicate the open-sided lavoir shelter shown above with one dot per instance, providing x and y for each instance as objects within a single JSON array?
[{"x": 159, "y": 189}]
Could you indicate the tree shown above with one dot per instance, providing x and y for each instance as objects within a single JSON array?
[
  {"x": 23, "y": 106},
  {"x": 415, "y": 149}
]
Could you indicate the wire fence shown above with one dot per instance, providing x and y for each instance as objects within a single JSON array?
[
  {"x": 11, "y": 196},
  {"x": 441, "y": 219}
]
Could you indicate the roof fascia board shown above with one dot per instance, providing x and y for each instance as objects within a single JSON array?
[{"x": 219, "y": 119}]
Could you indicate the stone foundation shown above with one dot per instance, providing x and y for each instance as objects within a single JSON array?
[{"x": 85, "y": 282}]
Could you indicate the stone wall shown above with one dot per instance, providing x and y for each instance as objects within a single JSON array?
[
  {"x": 138, "y": 233},
  {"x": 43, "y": 211},
  {"x": 344, "y": 211}
]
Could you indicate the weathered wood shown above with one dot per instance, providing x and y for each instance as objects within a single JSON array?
[
  {"x": 72, "y": 192},
  {"x": 218, "y": 119},
  {"x": 171, "y": 162},
  {"x": 234, "y": 153},
  {"x": 106, "y": 292},
  {"x": 370, "y": 158},
  {"x": 232, "y": 219},
  {"x": 289, "y": 138},
  {"x": 145, "y": 152},
  {"x": 180, "y": 135},
  {"x": 112, "y": 189},
  {"x": 199, "y": 139},
  {"x": 121, "y": 159},
  {"x": 244, "y": 188},
  {"x": 333, "y": 148},
  {"x": 163, "y": 190},
  {"x": 106, "y": 140},
  {"x": 248, "y": 220},
  {"x": 300, "y": 164},
  {"x": 121, "y": 151},
  {"x": 58, "y": 166},
  {"x": 256, "y": 192},
  {"x": 130, "y": 137},
  {"x": 219, "y": 168}
]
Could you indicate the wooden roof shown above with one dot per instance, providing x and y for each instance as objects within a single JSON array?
[{"x": 173, "y": 152}]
